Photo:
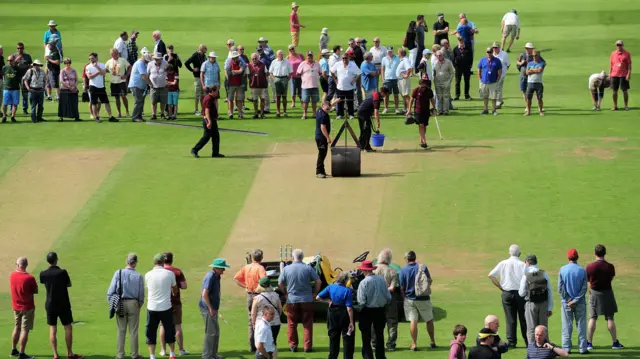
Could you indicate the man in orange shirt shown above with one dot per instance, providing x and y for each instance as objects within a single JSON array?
[
  {"x": 248, "y": 278},
  {"x": 620, "y": 74},
  {"x": 295, "y": 25}
]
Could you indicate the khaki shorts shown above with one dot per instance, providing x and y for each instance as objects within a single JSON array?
[
  {"x": 259, "y": 93},
  {"x": 24, "y": 318},
  {"x": 404, "y": 85},
  {"x": 489, "y": 91},
  {"x": 295, "y": 38},
  {"x": 415, "y": 310},
  {"x": 197, "y": 88},
  {"x": 159, "y": 95},
  {"x": 509, "y": 30},
  {"x": 235, "y": 92}
]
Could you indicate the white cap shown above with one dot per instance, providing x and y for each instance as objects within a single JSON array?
[
  {"x": 324, "y": 30},
  {"x": 212, "y": 54},
  {"x": 325, "y": 52},
  {"x": 144, "y": 51},
  {"x": 235, "y": 54}
]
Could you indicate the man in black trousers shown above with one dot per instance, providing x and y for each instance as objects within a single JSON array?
[
  {"x": 210, "y": 123},
  {"x": 370, "y": 107},
  {"x": 462, "y": 60},
  {"x": 323, "y": 135}
]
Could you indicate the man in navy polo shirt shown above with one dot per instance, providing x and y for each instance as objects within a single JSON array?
[
  {"x": 323, "y": 135},
  {"x": 489, "y": 73},
  {"x": 368, "y": 108}
]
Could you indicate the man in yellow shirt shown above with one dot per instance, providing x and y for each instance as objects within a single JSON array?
[
  {"x": 248, "y": 278},
  {"x": 119, "y": 68}
]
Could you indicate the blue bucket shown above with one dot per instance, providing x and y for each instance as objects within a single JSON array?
[{"x": 377, "y": 140}]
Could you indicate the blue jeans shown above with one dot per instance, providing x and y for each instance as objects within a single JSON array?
[{"x": 579, "y": 314}]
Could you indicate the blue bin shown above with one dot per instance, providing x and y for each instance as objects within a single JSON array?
[{"x": 377, "y": 140}]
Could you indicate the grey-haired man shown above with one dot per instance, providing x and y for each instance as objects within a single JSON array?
[
  {"x": 536, "y": 289},
  {"x": 129, "y": 284}
]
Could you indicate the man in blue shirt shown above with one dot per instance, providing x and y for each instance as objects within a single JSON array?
[
  {"x": 369, "y": 75},
  {"x": 390, "y": 79},
  {"x": 53, "y": 31},
  {"x": 416, "y": 307},
  {"x": 489, "y": 72},
  {"x": 210, "y": 71},
  {"x": 209, "y": 305},
  {"x": 572, "y": 286},
  {"x": 340, "y": 320},
  {"x": 326, "y": 74},
  {"x": 373, "y": 296},
  {"x": 138, "y": 83},
  {"x": 534, "y": 72}
]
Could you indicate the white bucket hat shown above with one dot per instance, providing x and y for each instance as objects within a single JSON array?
[
  {"x": 529, "y": 45},
  {"x": 213, "y": 54},
  {"x": 325, "y": 31},
  {"x": 52, "y": 23},
  {"x": 235, "y": 54},
  {"x": 37, "y": 62},
  {"x": 157, "y": 56}
]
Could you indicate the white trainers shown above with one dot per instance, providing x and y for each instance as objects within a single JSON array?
[
  {"x": 183, "y": 352},
  {"x": 196, "y": 112},
  {"x": 384, "y": 112},
  {"x": 163, "y": 353}
]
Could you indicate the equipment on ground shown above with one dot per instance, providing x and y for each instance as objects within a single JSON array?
[
  {"x": 245, "y": 132},
  {"x": 438, "y": 126},
  {"x": 345, "y": 160}
]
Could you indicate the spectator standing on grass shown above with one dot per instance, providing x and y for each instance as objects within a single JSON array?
[
  {"x": 295, "y": 25},
  {"x": 264, "y": 341},
  {"x": 121, "y": 45},
  {"x": 489, "y": 74},
  {"x": 620, "y": 73},
  {"x": 23, "y": 60},
  {"x": 420, "y": 29},
  {"x": 53, "y": 59},
  {"x": 373, "y": 296},
  {"x": 266, "y": 297},
  {"x": 440, "y": 30},
  {"x": 159, "y": 46},
  {"x": 266, "y": 59},
  {"x": 409, "y": 42},
  {"x": 130, "y": 285},
  {"x": 173, "y": 88},
  {"x": 1, "y": 77},
  {"x": 474, "y": 30},
  {"x": 33, "y": 81},
  {"x": 421, "y": 97},
  {"x": 295, "y": 282},
  {"x": 541, "y": 348},
  {"x": 572, "y": 286},
  {"x": 309, "y": 72},
  {"x": 193, "y": 64},
  {"x": 535, "y": 288},
  {"x": 492, "y": 323},
  {"x": 391, "y": 312},
  {"x": 465, "y": 31},
  {"x": 156, "y": 70},
  {"x": 235, "y": 70},
  {"x": 506, "y": 276},
  {"x": 535, "y": 69},
  {"x": 210, "y": 305},
  {"x": 53, "y": 31},
  {"x": 403, "y": 73},
  {"x": 510, "y": 28},
  {"x": 210, "y": 123},
  {"x": 280, "y": 71},
  {"x": 248, "y": 278},
  {"x": 209, "y": 71},
  {"x": 389, "y": 79},
  {"x": 597, "y": 83},
  {"x": 333, "y": 59},
  {"x": 259, "y": 85},
  {"x": 340, "y": 318},
  {"x": 358, "y": 57},
  {"x": 11, "y": 82},
  {"x": 379, "y": 52},
  {"x": 172, "y": 58},
  {"x": 326, "y": 74},
  {"x": 443, "y": 73},
  {"x": 68, "y": 105},
  {"x": 601, "y": 298},
  {"x": 132, "y": 47},
  {"x": 522, "y": 61},
  {"x": 462, "y": 60},
  {"x": 138, "y": 82},
  {"x": 120, "y": 70},
  {"x": 425, "y": 68},
  {"x": 483, "y": 349},
  {"x": 58, "y": 305},
  {"x": 176, "y": 306},
  {"x": 457, "y": 349},
  {"x": 161, "y": 284},
  {"x": 369, "y": 75},
  {"x": 23, "y": 286},
  {"x": 324, "y": 39},
  {"x": 416, "y": 307},
  {"x": 295, "y": 59},
  {"x": 506, "y": 63},
  {"x": 345, "y": 75},
  {"x": 97, "y": 92}
]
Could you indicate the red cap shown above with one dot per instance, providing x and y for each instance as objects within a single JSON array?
[{"x": 572, "y": 253}]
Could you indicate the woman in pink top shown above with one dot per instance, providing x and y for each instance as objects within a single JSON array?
[
  {"x": 295, "y": 85},
  {"x": 68, "y": 104},
  {"x": 457, "y": 349}
]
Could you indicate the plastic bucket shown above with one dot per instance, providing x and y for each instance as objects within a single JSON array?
[{"x": 377, "y": 140}]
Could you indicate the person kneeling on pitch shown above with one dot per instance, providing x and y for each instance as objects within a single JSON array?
[
  {"x": 370, "y": 107},
  {"x": 323, "y": 137},
  {"x": 421, "y": 97},
  {"x": 210, "y": 123}
]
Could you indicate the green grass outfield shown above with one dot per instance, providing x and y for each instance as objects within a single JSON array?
[{"x": 570, "y": 179}]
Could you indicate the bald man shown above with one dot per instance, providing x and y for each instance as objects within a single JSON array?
[
  {"x": 493, "y": 323},
  {"x": 541, "y": 348},
  {"x": 23, "y": 286}
]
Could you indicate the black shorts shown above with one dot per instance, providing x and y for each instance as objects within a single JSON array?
[
  {"x": 422, "y": 118},
  {"x": 598, "y": 93},
  {"x": 620, "y": 83},
  {"x": 65, "y": 315},
  {"x": 98, "y": 95},
  {"x": 119, "y": 89},
  {"x": 324, "y": 85},
  {"x": 536, "y": 87}
]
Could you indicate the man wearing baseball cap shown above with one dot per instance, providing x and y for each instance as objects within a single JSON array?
[
  {"x": 484, "y": 350},
  {"x": 209, "y": 306},
  {"x": 374, "y": 296},
  {"x": 620, "y": 74},
  {"x": 535, "y": 288},
  {"x": 572, "y": 285},
  {"x": 309, "y": 72},
  {"x": 523, "y": 60},
  {"x": 294, "y": 24}
]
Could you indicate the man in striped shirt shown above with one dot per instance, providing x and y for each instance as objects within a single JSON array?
[{"x": 541, "y": 348}]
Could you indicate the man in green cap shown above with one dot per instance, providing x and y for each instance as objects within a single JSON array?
[
  {"x": 161, "y": 283},
  {"x": 209, "y": 305}
]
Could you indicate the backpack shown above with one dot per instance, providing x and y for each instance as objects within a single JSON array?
[
  {"x": 537, "y": 286},
  {"x": 422, "y": 285}
]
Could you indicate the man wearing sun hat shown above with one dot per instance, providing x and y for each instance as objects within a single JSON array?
[
  {"x": 572, "y": 285},
  {"x": 525, "y": 58},
  {"x": 373, "y": 296},
  {"x": 53, "y": 29},
  {"x": 210, "y": 71},
  {"x": 620, "y": 61},
  {"x": 486, "y": 337},
  {"x": 294, "y": 24},
  {"x": 209, "y": 306},
  {"x": 34, "y": 83},
  {"x": 156, "y": 70}
]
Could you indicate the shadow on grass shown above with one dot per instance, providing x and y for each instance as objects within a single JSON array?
[{"x": 436, "y": 148}]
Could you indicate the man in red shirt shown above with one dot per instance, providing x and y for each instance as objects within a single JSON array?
[
  {"x": 176, "y": 306},
  {"x": 421, "y": 97},
  {"x": 258, "y": 83},
  {"x": 620, "y": 73},
  {"x": 210, "y": 122},
  {"x": 601, "y": 300},
  {"x": 23, "y": 287},
  {"x": 235, "y": 70},
  {"x": 295, "y": 25}
]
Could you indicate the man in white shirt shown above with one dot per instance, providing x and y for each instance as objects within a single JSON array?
[
  {"x": 156, "y": 70},
  {"x": 119, "y": 68},
  {"x": 403, "y": 73},
  {"x": 160, "y": 282},
  {"x": 506, "y": 276},
  {"x": 97, "y": 92},
  {"x": 279, "y": 72},
  {"x": 506, "y": 63},
  {"x": 510, "y": 27},
  {"x": 379, "y": 52},
  {"x": 121, "y": 45},
  {"x": 263, "y": 336},
  {"x": 345, "y": 74}
]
